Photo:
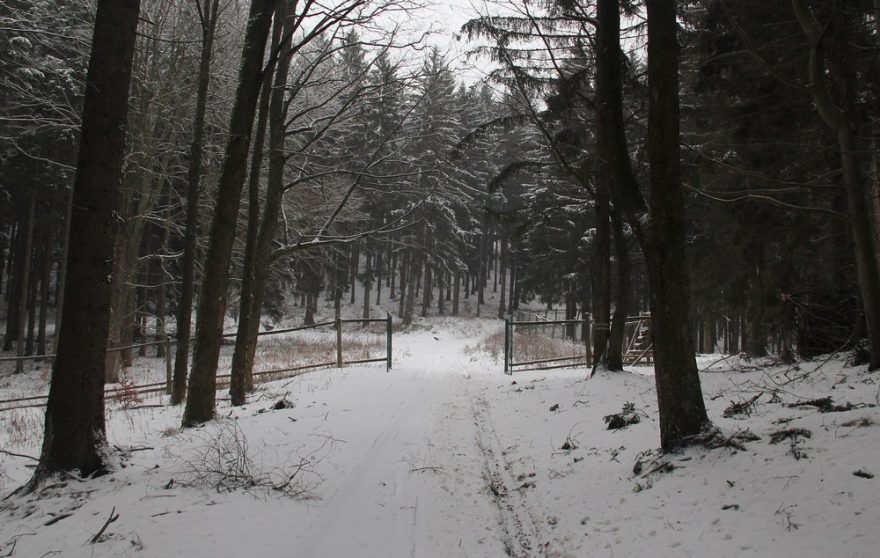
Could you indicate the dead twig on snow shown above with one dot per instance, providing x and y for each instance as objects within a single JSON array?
[{"x": 113, "y": 517}]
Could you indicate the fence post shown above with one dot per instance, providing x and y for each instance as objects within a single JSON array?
[
  {"x": 507, "y": 346},
  {"x": 388, "y": 342},
  {"x": 338, "y": 342},
  {"x": 169, "y": 367}
]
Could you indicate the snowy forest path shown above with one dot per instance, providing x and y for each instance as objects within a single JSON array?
[{"x": 425, "y": 466}]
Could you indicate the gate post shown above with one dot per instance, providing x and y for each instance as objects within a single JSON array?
[{"x": 388, "y": 342}]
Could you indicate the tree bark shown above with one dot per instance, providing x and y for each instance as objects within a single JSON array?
[
  {"x": 252, "y": 288},
  {"x": 513, "y": 303},
  {"x": 441, "y": 292},
  {"x": 24, "y": 291},
  {"x": 378, "y": 275},
  {"x": 42, "y": 344},
  {"x": 404, "y": 264},
  {"x": 3, "y": 260},
  {"x": 74, "y": 437},
  {"x": 679, "y": 394},
  {"x": 456, "y": 288},
  {"x": 502, "y": 297},
  {"x": 32, "y": 303},
  {"x": 367, "y": 284},
  {"x": 188, "y": 262},
  {"x": 201, "y": 394},
  {"x": 624, "y": 287},
  {"x": 14, "y": 286},
  {"x": 412, "y": 280},
  {"x": 61, "y": 279},
  {"x": 480, "y": 272},
  {"x": 428, "y": 290},
  {"x": 601, "y": 269},
  {"x": 354, "y": 264},
  {"x": 660, "y": 230}
]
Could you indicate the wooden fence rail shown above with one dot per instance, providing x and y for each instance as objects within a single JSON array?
[{"x": 223, "y": 379}]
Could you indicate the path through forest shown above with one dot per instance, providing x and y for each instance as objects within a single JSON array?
[{"x": 431, "y": 468}]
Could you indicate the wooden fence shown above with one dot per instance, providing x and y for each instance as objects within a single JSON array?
[{"x": 222, "y": 379}]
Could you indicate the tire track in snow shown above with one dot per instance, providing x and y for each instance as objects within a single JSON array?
[
  {"x": 521, "y": 533},
  {"x": 368, "y": 507},
  {"x": 414, "y": 487}
]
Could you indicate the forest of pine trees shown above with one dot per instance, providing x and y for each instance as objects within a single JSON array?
[{"x": 714, "y": 162}]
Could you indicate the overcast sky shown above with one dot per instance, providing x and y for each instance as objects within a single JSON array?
[{"x": 444, "y": 19}]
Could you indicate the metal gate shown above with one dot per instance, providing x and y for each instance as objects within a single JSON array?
[{"x": 585, "y": 358}]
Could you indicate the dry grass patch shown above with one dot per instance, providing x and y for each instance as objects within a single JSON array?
[
  {"x": 526, "y": 347},
  {"x": 300, "y": 351},
  {"x": 19, "y": 428}
]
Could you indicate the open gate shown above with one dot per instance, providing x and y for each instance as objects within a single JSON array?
[
  {"x": 573, "y": 330},
  {"x": 638, "y": 346}
]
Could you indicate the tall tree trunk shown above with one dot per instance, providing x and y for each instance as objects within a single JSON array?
[
  {"x": 624, "y": 287},
  {"x": 12, "y": 292},
  {"x": 481, "y": 257},
  {"x": 428, "y": 291},
  {"x": 708, "y": 335},
  {"x": 3, "y": 243},
  {"x": 354, "y": 264},
  {"x": 494, "y": 265},
  {"x": 161, "y": 310},
  {"x": 660, "y": 230},
  {"x": 126, "y": 262},
  {"x": 241, "y": 381},
  {"x": 61, "y": 279},
  {"x": 412, "y": 280},
  {"x": 378, "y": 276},
  {"x": 404, "y": 265},
  {"x": 512, "y": 303},
  {"x": 32, "y": 305},
  {"x": 441, "y": 292},
  {"x": 75, "y": 437},
  {"x": 212, "y": 298},
  {"x": 310, "y": 284},
  {"x": 209, "y": 11},
  {"x": 502, "y": 264},
  {"x": 42, "y": 344},
  {"x": 367, "y": 284},
  {"x": 601, "y": 269},
  {"x": 679, "y": 394},
  {"x": 161, "y": 283},
  {"x": 118, "y": 288},
  {"x": 755, "y": 335},
  {"x": 456, "y": 288},
  {"x": 392, "y": 275},
  {"x": 24, "y": 292}
]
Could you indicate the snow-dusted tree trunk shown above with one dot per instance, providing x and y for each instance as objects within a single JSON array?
[
  {"x": 75, "y": 436},
  {"x": 622, "y": 301},
  {"x": 679, "y": 395},
  {"x": 660, "y": 227},
  {"x": 209, "y": 10},
  {"x": 212, "y": 297}
]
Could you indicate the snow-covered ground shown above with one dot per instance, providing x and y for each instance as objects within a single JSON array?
[{"x": 445, "y": 456}]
